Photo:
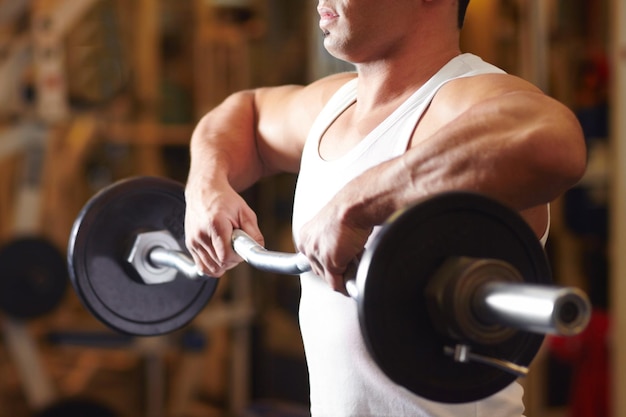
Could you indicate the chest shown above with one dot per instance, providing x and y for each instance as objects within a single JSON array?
[{"x": 349, "y": 129}]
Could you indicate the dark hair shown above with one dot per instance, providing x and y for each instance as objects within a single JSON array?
[{"x": 462, "y": 9}]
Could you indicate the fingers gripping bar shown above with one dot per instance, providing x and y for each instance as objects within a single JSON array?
[{"x": 153, "y": 252}]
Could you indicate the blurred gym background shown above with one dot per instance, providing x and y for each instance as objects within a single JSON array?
[{"x": 93, "y": 91}]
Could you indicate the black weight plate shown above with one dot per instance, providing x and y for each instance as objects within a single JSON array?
[
  {"x": 100, "y": 241},
  {"x": 392, "y": 278},
  {"x": 33, "y": 277}
]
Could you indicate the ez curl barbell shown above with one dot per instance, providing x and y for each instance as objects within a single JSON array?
[{"x": 454, "y": 294}]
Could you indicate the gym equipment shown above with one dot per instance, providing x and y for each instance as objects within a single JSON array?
[
  {"x": 77, "y": 407},
  {"x": 107, "y": 284},
  {"x": 33, "y": 277},
  {"x": 453, "y": 295},
  {"x": 33, "y": 272}
]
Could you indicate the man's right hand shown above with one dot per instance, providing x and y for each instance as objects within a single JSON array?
[{"x": 212, "y": 213}]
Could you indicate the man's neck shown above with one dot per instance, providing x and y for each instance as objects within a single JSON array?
[{"x": 384, "y": 82}]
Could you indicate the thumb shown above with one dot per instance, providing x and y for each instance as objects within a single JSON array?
[{"x": 250, "y": 225}]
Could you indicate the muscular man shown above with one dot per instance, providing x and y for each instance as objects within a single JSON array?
[{"x": 417, "y": 117}]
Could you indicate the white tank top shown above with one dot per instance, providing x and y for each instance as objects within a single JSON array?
[{"x": 344, "y": 380}]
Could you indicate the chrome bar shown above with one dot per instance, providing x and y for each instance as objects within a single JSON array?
[{"x": 534, "y": 308}]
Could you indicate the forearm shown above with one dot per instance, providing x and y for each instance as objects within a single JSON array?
[
  {"x": 256, "y": 133},
  {"x": 223, "y": 145},
  {"x": 514, "y": 149}
]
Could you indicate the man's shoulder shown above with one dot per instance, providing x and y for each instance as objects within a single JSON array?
[
  {"x": 483, "y": 86},
  {"x": 462, "y": 94}
]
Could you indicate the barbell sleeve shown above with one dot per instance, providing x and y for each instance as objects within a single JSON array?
[
  {"x": 485, "y": 300},
  {"x": 564, "y": 311}
]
